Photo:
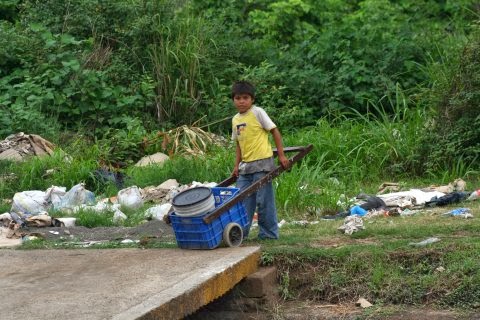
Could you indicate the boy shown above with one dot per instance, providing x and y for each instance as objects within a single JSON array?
[{"x": 254, "y": 157}]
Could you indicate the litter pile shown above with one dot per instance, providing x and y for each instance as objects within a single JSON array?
[
  {"x": 31, "y": 209},
  {"x": 402, "y": 203},
  {"x": 18, "y": 146}
]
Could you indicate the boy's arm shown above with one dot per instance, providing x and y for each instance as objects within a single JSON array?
[
  {"x": 238, "y": 158},
  {"x": 277, "y": 137}
]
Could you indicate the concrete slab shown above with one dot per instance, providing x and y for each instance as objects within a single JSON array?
[
  {"x": 118, "y": 283},
  {"x": 6, "y": 242}
]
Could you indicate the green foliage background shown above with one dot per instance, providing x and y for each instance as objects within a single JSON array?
[{"x": 116, "y": 71}]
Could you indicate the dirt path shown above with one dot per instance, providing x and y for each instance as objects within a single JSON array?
[
  {"x": 234, "y": 307},
  {"x": 153, "y": 229}
]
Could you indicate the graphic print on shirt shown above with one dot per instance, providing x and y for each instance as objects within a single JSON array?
[{"x": 241, "y": 127}]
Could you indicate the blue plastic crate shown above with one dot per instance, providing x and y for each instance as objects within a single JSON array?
[{"x": 194, "y": 233}]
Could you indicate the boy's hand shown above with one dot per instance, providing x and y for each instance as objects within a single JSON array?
[
  {"x": 235, "y": 171},
  {"x": 284, "y": 161}
]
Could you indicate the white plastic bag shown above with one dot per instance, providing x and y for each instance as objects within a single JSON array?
[
  {"x": 130, "y": 198},
  {"x": 158, "y": 212},
  {"x": 29, "y": 202},
  {"x": 474, "y": 195},
  {"x": 119, "y": 216},
  {"x": 76, "y": 196},
  {"x": 54, "y": 195}
]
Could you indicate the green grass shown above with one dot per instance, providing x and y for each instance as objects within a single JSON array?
[{"x": 379, "y": 263}]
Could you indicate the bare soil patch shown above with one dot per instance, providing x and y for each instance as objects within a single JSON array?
[{"x": 153, "y": 229}]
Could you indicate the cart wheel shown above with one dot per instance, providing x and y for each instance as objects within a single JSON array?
[{"x": 233, "y": 234}]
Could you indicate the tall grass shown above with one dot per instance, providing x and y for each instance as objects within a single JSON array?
[
  {"x": 352, "y": 153},
  {"x": 177, "y": 55},
  {"x": 64, "y": 168},
  {"x": 216, "y": 166}
]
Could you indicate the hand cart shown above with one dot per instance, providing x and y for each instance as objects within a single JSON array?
[{"x": 228, "y": 220}]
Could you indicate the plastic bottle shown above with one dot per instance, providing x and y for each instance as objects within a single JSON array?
[{"x": 474, "y": 195}]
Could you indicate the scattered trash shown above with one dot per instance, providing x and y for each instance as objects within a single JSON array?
[
  {"x": 119, "y": 216},
  {"x": 460, "y": 212},
  {"x": 54, "y": 195},
  {"x": 67, "y": 222},
  {"x": 54, "y": 232},
  {"x": 304, "y": 222},
  {"x": 456, "y": 185},
  {"x": 424, "y": 242},
  {"x": 18, "y": 146},
  {"x": 408, "y": 212},
  {"x": 351, "y": 224},
  {"x": 130, "y": 198},
  {"x": 105, "y": 176},
  {"x": 5, "y": 219},
  {"x": 7, "y": 241},
  {"x": 450, "y": 198},
  {"x": 474, "y": 195},
  {"x": 373, "y": 202},
  {"x": 364, "y": 303},
  {"x": 357, "y": 210},
  {"x": 281, "y": 223},
  {"x": 18, "y": 221},
  {"x": 41, "y": 220},
  {"x": 158, "y": 212},
  {"x": 388, "y": 186},
  {"x": 154, "y": 194},
  {"x": 29, "y": 202},
  {"x": 409, "y": 199},
  {"x": 76, "y": 196}
]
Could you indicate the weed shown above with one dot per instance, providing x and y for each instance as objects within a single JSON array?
[
  {"x": 267, "y": 258},
  {"x": 285, "y": 285},
  {"x": 92, "y": 219}
]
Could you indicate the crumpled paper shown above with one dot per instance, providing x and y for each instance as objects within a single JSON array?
[{"x": 351, "y": 224}]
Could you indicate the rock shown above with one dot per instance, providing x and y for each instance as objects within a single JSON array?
[
  {"x": 157, "y": 159},
  {"x": 440, "y": 269},
  {"x": 169, "y": 184},
  {"x": 363, "y": 303}
]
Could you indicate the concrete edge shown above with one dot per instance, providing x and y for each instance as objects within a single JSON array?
[{"x": 192, "y": 300}]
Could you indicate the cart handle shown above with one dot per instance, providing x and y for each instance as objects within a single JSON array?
[{"x": 301, "y": 153}]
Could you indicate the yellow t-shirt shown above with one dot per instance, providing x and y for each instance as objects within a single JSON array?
[{"x": 251, "y": 130}]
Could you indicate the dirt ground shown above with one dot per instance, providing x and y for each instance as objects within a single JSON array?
[
  {"x": 232, "y": 306},
  {"x": 153, "y": 229}
]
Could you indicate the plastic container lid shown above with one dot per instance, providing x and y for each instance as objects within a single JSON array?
[
  {"x": 193, "y": 202},
  {"x": 191, "y": 196}
]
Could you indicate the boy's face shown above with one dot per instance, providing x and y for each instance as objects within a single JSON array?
[{"x": 243, "y": 102}]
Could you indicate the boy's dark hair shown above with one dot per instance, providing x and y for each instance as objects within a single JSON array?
[{"x": 243, "y": 87}]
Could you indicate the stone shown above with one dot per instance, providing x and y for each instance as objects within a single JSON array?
[
  {"x": 169, "y": 184},
  {"x": 362, "y": 302},
  {"x": 260, "y": 284},
  {"x": 154, "y": 159}
]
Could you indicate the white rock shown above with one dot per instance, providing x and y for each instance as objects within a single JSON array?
[{"x": 157, "y": 158}]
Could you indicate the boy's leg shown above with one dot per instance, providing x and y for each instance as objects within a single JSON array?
[
  {"x": 267, "y": 212},
  {"x": 250, "y": 203}
]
